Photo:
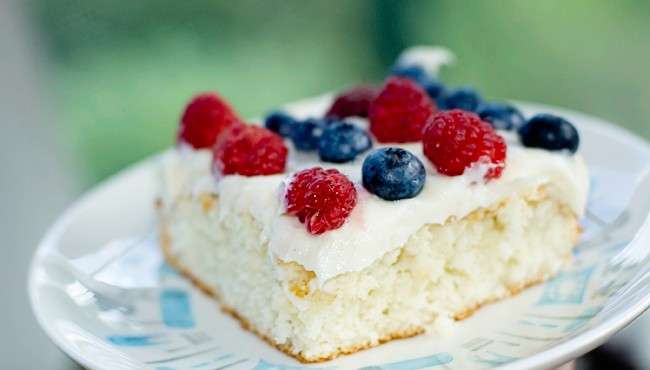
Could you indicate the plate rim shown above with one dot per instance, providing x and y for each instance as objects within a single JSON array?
[
  {"x": 45, "y": 245},
  {"x": 553, "y": 356},
  {"x": 593, "y": 337}
]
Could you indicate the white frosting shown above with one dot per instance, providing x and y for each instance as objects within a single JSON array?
[
  {"x": 430, "y": 58},
  {"x": 375, "y": 226}
]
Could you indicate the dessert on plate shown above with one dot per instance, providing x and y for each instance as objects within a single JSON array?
[{"x": 342, "y": 222}]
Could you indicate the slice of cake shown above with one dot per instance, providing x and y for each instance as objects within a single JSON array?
[{"x": 376, "y": 215}]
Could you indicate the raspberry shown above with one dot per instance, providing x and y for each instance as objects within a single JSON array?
[
  {"x": 400, "y": 111},
  {"x": 205, "y": 117},
  {"x": 353, "y": 102},
  {"x": 456, "y": 139},
  {"x": 249, "y": 151},
  {"x": 419, "y": 75},
  {"x": 321, "y": 199}
]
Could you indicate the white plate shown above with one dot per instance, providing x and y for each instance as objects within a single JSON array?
[{"x": 136, "y": 313}]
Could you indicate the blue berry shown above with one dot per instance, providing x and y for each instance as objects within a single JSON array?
[
  {"x": 549, "y": 132},
  {"x": 393, "y": 174},
  {"x": 431, "y": 85},
  {"x": 342, "y": 141},
  {"x": 501, "y": 116},
  {"x": 306, "y": 134},
  {"x": 464, "y": 98},
  {"x": 412, "y": 72},
  {"x": 434, "y": 88},
  {"x": 280, "y": 123}
]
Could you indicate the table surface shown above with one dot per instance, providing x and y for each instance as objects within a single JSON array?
[{"x": 29, "y": 204}]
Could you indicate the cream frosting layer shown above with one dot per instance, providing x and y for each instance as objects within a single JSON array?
[{"x": 375, "y": 226}]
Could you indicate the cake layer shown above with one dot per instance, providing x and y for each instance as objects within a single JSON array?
[
  {"x": 442, "y": 271},
  {"x": 375, "y": 226}
]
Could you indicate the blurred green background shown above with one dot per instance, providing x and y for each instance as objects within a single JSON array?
[{"x": 120, "y": 72}]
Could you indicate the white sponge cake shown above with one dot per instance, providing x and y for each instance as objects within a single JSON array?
[
  {"x": 455, "y": 247},
  {"x": 381, "y": 244},
  {"x": 442, "y": 272}
]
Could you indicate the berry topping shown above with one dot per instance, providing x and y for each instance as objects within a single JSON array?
[
  {"x": 353, "y": 102},
  {"x": 464, "y": 98},
  {"x": 249, "y": 151},
  {"x": 455, "y": 140},
  {"x": 501, "y": 116},
  {"x": 321, "y": 199},
  {"x": 431, "y": 85},
  {"x": 205, "y": 117},
  {"x": 306, "y": 134},
  {"x": 412, "y": 72},
  {"x": 550, "y": 132},
  {"x": 400, "y": 111},
  {"x": 280, "y": 123},
  {"x": 342, "y": 141},
  {"x": 393, "y": 173},
  {"x": 434, "y": 88}
]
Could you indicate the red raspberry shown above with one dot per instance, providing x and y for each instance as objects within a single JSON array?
[
  {"x": 205, "y": 117},
  {"x": 353, "y": 102},
  {"x": 249, "y": 151},
  {"x": 456, "y": 139},
  {"x": 321, "y": 199},
  {"x": 400, "y": 111}
]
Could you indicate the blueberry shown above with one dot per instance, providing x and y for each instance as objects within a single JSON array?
[
  {"x": 434, "y": 88},
  {"x": 549, "y": 132},
  {"x": 342, "y": 141},
  {"x": 280, "y": 123},
  {"x": 464, "y": 98},
  {"x": 306, "y": 134},
  {"x": 431, "y": 85},
  {"x": 393, "y": 173},
  {"x": 501, "y": 116},
  {"x": 412, "y": 72}
]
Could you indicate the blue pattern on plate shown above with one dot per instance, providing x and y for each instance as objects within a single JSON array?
[
  {"x": 568, "y": 287},
  {"x": 132, "y": 340},
  {"x": 438, "y": 359},
  {"x": 176, "y": 309},
  {"x": 495, "y": 359},
  {"x": 264, "y": 365},
  {"x": 582, "y": 319},
  {"x": 165, "y": 270}
]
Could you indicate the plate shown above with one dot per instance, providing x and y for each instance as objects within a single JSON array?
[{"x": 102, "y": 292}]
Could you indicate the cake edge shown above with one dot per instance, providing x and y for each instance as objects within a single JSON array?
[
  {"x": 166, "y": 246},
  {"x": 287, "y": 349}
]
